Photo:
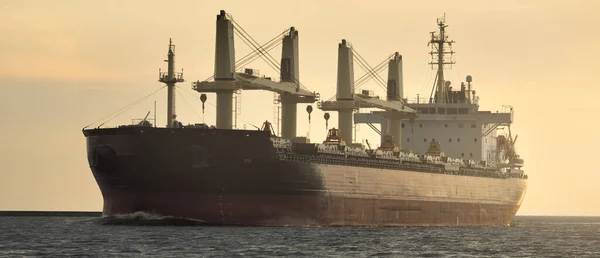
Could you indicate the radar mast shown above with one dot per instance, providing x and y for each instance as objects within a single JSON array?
[
  {"x": 441, "y": 54},
  {"x": 170, "y": 78}
]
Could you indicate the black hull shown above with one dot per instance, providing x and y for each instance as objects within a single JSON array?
[{"x": 235, "y": 177}]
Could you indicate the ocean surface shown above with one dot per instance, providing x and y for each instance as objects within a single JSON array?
[{"x": 148, "y": 235}]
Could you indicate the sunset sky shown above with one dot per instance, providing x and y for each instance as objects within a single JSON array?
[{"x": 66, "y": 64}]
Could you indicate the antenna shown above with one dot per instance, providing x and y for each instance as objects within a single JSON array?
[
  {"x": 469, "y": 80},
  {"x": 441, "y": 54}
]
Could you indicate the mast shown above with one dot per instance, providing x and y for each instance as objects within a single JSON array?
[
  {"x": 439, "y": 57},
  {"x": 170, "y": 78}
]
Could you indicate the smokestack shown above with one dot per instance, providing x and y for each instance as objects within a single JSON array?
[{"x": 224, "y": 70}]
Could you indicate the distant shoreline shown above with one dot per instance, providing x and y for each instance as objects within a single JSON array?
[
  {"x": 99, "y": 214},
  {"x": 50, "y": 214}
]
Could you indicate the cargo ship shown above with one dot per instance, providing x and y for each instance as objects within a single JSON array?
[{"x": 441, "y": 160}]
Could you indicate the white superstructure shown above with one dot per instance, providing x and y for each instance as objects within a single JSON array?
[{"x": 449, "y": 116}]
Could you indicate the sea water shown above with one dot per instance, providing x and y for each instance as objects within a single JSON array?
[{"x": 154, "y": 236}]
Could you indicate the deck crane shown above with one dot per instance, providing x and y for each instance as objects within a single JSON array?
[
  {"x": 346, "y": 100},
  {"x": 227, "y": 79}
]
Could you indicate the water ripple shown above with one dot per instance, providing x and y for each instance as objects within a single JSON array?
[{"x": 154, "y": 236}]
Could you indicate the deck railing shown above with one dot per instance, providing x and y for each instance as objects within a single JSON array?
[{"x": 289, "y": 155}]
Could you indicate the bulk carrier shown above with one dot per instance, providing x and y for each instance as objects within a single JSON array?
[{"x": 441, "y": 160}]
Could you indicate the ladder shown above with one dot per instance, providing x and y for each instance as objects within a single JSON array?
[
  {"x": 277, "y": 112},
  {"x": 237, "y": 110}
]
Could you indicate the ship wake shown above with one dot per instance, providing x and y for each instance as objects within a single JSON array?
[{"x": 141, "y": 218}]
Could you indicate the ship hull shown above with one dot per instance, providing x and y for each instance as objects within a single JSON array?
[{"x": 189, "y": 174}]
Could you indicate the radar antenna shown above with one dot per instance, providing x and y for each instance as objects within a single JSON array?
[{"x": 441, "y": 54}]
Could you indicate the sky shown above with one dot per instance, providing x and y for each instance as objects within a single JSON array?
[{"x": 66, "y": 64}]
